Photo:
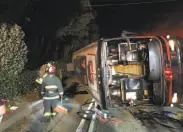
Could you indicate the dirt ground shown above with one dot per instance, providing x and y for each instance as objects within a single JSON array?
[{"x": 20, "y": 102}]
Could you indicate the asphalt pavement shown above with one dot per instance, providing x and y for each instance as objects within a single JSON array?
[{"x": 34, "y": 122}]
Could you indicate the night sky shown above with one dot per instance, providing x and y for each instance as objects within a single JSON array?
[
  {"x": 46, "y": 17},
  {"x": 138, "y": 18}
]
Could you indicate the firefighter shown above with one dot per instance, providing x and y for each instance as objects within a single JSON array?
[
  {"x": 52, "y": 91},
  {"x": 43, "y": 72}
]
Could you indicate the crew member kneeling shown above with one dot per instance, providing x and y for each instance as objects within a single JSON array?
[{"x": 51, "y": 89}]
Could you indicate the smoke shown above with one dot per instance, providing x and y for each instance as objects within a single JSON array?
[{"x": 169, "y": 23}]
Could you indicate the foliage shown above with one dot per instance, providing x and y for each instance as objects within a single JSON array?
[
  {"x": 13, "y": 57},
  {"x": 78, "y": 26},
  {"x": 27, "y": 81},
  {"x": 79, "y": 31},
  {"x": 13, "y": 50},
  {"x": 61, "y": 65}
]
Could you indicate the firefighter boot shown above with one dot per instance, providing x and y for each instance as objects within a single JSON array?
[{"x": 47, "y": 119}]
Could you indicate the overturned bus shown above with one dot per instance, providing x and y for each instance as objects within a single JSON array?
[{"x": 131, "y": 70}]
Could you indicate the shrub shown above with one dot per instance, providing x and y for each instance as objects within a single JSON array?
[
  {"x": 27, "y": 81},
  {"x": 13, "y": 57}
]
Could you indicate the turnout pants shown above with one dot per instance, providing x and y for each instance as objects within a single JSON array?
[{"x": 49, "y": 105}]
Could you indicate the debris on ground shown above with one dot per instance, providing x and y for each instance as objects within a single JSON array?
[
  {"x": 13, "y": 108},
  {"x": 35, "y": 121},
  {"x": 19, "y": 102}
]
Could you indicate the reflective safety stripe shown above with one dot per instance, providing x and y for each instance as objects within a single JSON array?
[
  {"x": 49, "y": 114},
  {"x": 53, "y": 113},
  {"x": 50, "y": 98},
  {"x": 51, "y": 86},
  {"x": 45, "y": 75},
  {"x": 61, "y": 93},
  {"x": 37, "y": 80},
  {"x": 40, "y": 80}
]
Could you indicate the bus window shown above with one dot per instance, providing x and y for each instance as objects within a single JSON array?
[{"x": 90, "y": 72}]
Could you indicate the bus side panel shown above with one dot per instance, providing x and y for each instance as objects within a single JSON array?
[
  {"x": 91, "y": 84},
  {"x": 92, "y": 76},
  {"x": 80, "y": 69}
]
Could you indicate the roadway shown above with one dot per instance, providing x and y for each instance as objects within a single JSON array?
[
  {"x": 70, "y": 123},
  {"x": 65, "y": 123}
]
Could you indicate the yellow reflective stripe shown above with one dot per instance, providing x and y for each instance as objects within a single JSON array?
[
  {"x": 47, "y": 98},
  {"x": 49, "y": 114},
  {"x": 37, "y": 80},
  {"x": 45, "y": 75},
  {"x": 51, "y": 86},
  {"x": 40, "y": 80},
  {"x": 53, "y": 113}
]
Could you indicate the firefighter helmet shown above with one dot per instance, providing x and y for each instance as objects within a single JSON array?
[
  {"x": 50, "y": 63},
  {"x": 52, "y": 69}
]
